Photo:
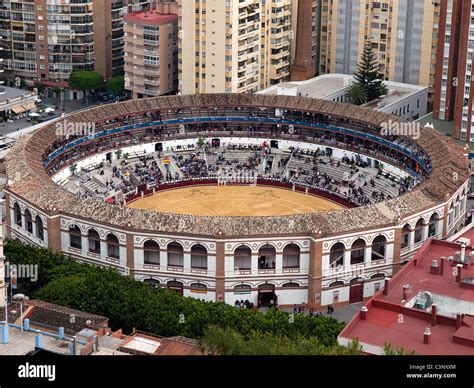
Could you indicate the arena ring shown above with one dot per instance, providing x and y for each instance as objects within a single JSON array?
[{"x": 322, "y": 258}]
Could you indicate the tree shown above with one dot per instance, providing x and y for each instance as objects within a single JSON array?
[
  {"x": 40, "y": 87},
  {"x": 367, "y": 75},
  {"x": 73, "y": 168},
  {"x": 116, "y": 84},
  {"x": 390, "y": 350},
  {"x": 87, "y": 81},
  {"x": 356, "y": 94},
  {"x": 200, "y": 142}
]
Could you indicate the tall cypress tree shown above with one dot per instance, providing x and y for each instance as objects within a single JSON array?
[{"x": 367, "y": 74}]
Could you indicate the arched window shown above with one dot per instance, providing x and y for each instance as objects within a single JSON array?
[
  {"x": 378, "y": 276},
  {"x": 28, "y": 221},
  {"x": 291, "y": 256},
  {"x": 290, "y": 285},
  {"x": 336, "y": 256},
  {"x": 379, "y": 246},
  {"x": 39, "y": 228},
  {"x": 75, "y": 240},
  {"x": 419, "y": 230},
  {"x": 242, "y": 258},
  {"x": 198, "y": 287},
  {"x": 433, "y": 225},
  {"x": 113, "y": 246},
  {"x": 336, "y": 284},
  {"x": 152, "y": 282},
  {"x": 94, "y": 241},
  {"x": 151, "y": 253},
  {"x": 198, "y": 257},
  {"x": 175, "y": 286},
  {"x": 266, "y": 257},
  {"x": 358, "y": 251},
  {"x": 17, "y": 213},
  {"x": 242, "y": 288},
  {"x": 405, "y": 236},
  {"x": 175, "y": 254}
]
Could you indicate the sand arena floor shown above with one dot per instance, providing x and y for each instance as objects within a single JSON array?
[{"x": 234, "y": 201}]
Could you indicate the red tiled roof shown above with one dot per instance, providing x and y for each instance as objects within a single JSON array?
[
  {"x": 389, "y": 320},
  {"x": 151, "y": 17}
]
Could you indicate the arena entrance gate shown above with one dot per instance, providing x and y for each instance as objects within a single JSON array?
[
  {"x": 356, "y": 293},
  {"x": 175, "y": 287},
  {"x": 266, "y": 295}
]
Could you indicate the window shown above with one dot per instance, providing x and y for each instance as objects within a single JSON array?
[
  {"x": 405, "y": 236},
  {"x": 291, "y": 256},
  {"x": 151, "y": 253},
  {"x": 94, "y": 241},
  {"x": 290, "y": 285},
  {"x": 242, "y": 258},
  {"x": 75, "y": 240},
  {"x": 419, "y": 230},
  {"x": 433, "y": 225},
  {"x": 378, "y": 248},
  {"x": 17, "y": 212},
  {"x": 28, "y": 221},
  {"x": 113, "y": 246},
  {"x": 175, "y": 254},
  {"x": 266, "y": 257},
  {"x": 336, "y": 256},
  {"x": 152, "y": 282},
  {"x": 198, "y": 257},
  {"x": 39, "y": 228},
  {"x": 358, "y": 252}
]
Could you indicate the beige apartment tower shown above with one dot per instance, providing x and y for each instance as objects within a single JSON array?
[
  {"x": 404, "y": 34},
  {"x": 233, "y": 46}
]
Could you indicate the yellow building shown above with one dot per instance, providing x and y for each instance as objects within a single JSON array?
[{"x": 233, "y": 47}]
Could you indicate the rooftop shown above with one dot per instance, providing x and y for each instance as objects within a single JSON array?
[
  {"x": 325, "y": 86},
  {"x": 11, "y": 93},
  {"x": 151, "y": 18},
  {"x": 401, "y": 319}
]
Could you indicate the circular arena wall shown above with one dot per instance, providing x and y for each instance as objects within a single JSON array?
[{"x": 322, "y": 258}]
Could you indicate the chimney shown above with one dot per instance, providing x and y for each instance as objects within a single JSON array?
[
  {"x": 433, "y": 314},
  {"x": 415, "y": 262},
  {"x": 363, "y": 313},
  {"x": 405, "y": 292},
  {"x": 458, "y": 272},
  {"x": 385, "y": 287},
  {"x": 458, "y": 321},
  {"x": 303, "y": 67},
  {"x": 463, "y": 251},
  {"x": 434, "y": 268},
  {"x": 441, "y": 266},
  {"x": 427, "y": 336}
]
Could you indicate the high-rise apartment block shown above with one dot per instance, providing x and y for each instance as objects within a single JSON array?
[
  {"x": 45, "y": 40},
  {"x": 403, "y": 33},
  {"x": 151, "y": 52},
  {"x": 453, "y": 90},
  {"x": 234, "y": 46}
]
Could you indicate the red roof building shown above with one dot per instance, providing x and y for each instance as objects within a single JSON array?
[{"x": 427, "y": 307}]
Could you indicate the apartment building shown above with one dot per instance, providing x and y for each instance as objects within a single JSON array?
[
  {"x": 151, "y": 51},
  {"x": 233, "y": 47},
  {"x": 453, "y": 90},
  {"x": 403, "y": 33},
  {"x": 45, "y": 40}
]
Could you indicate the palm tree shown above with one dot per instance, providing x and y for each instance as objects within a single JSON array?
[{"x": 356, "y": 94}]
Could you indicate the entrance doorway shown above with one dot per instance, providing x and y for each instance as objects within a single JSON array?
[
  {"x": 266, "y": 295},
  {"x": 356, "y": 293}
]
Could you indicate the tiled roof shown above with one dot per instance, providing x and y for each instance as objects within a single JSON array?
[{"x": 24, "y": 166}]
